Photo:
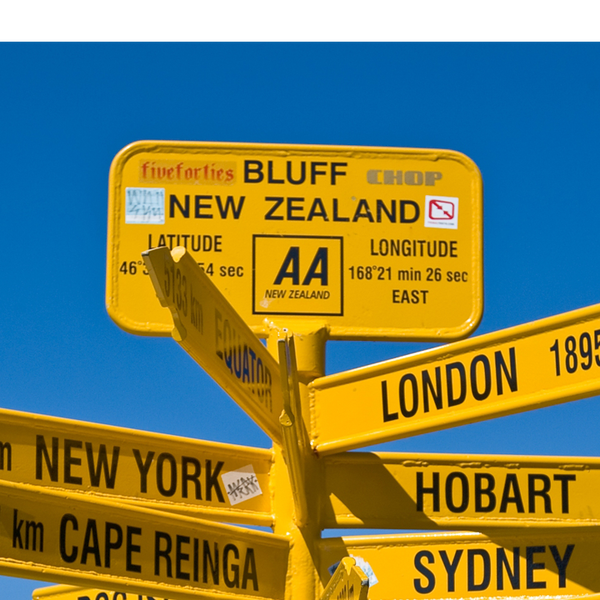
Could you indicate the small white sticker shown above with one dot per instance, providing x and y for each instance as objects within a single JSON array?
[
  {"x": 441, "y": 211},
  {"x": 145, "y": 206},
  {"x": 241, "y": 485}
]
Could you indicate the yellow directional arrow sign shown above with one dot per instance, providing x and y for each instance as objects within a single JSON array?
[
  {"x": 68, "y": 592},
  {"x": 375, "y": 243},
  {"x": 517, "y": 564},
  {"x": 216, "y": 337},
  {"x": 63, "y": 537},
  {"x": 529, "y": 366},
  {"x": 207, "y": 479},
  {"x": 347, "y": 583},
  {"x": 430, "y": 491}
]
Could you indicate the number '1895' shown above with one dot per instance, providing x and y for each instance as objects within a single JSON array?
[{"x": 577, "y": 353}]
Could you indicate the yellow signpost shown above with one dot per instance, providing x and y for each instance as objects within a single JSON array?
[
  {"x": 68, "y": 592},
  {"x": 211, "y": 331},
  {"x": 206, "y": 479},
  {"x": 514, "y": 564},
  {"x": 529, "y": 366},
  {"x": 378, "y": 243},
  {"x": 347, "y": 583},
  {"x": 63, "y": 537},
  {"x": 475, "y": 492}
]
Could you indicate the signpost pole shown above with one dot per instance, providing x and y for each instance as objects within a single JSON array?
[{"x": 303, "y": 577}]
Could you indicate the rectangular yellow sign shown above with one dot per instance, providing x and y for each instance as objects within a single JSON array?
[
  {"x": 452, "y": 491},
  {"x": 552, "y": 565},
  {"x": 68, "y": 592},
  {"x": 66, "y": 538},
  {"x": 209, "y": 329},
  {"x": 206, "y": 479},
  {"x": 377, "y": 243},
  {"x": 538, "y": 364}
]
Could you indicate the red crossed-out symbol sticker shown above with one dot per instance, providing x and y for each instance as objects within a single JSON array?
[{"x": 440, "y": 210}]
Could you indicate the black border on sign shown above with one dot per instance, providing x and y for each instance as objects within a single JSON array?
[{"x": 313, "y": 237}]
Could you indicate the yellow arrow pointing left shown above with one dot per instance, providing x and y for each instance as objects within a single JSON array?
[{"x": 62, "y": 537}]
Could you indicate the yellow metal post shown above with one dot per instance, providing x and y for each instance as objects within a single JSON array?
[{"x": 302, "y": 578}]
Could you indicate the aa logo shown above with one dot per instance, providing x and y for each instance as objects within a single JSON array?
[
  {"x": 297, "y": 275},
  {"x": 290, "y": 269}
]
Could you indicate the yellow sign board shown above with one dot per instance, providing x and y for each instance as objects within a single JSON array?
[
  {"x": 68, "y": 592},
  {"x": 69, "y": 539},
  {"x": 431, "y": 491},
  {"x": 207, "y": 479},
  {"x": 377, "y": 243},
  {"x": 210, "y": 330},
  {"x": 347, "y": 583},
  {"x": 529, "y": 366},
  {"x": 552, "y": 565}
]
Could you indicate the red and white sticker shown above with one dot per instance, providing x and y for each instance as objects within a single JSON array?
[{"x": 441, "y": 211}]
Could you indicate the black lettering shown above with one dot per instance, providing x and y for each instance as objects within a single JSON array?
[
  {"x": 481, "y": 491},
  {"x": 434, "y": 490},
  {"x": 67, "y": 557},
  {"x": 514, "y": 574},
  {"x": 160, "y": 461},
  {"x": 212, "y": 480},
  {"x": 511, "y": 376},
  {"x": 451, "y": 567},
  {"x": 212, "y": 560},
  {"x": 162, "y": 552},
  {"x": 143, "y": 467},
  {"x": 102, "y": 465},
  {"x": 564, "y": 488},
  {"x": 41, "y": 451},
  {"x": 111, "y": 544},
  {"x": 387, "y": 416},
  {"x": 318, "y": 269},
  {"x": 419, "y": 587},
  {"x": 487, "y": 569},
  {"x": 253, "y": 171},
  {"x": 511, "y": 483},
  {"x": 457, "y": 508},
  {"x": 250, "y": 570},
  {"x": 487, "y": 377},
  {"x": 181, "y": 556},
  {"x": 407, "y": 413},
  {"x": 91, "y": 545},
  {"x": 534, "y": 566},
  {"x": 131, "y": 548},
  {"x": 462, "y": 394},
  {"x": 542, "y": 493},
  {"x": 278, "y": 200},
  {"x": 230, "y": 205},
  {"x": 290, "y": 267},
  {"x": 184, "y": 210},
  {"x": 231, "y": 576},
  {"x": 562, "y": 563},
  {"x": 436, "y": 393},
  {"x": 5, "y": 456},
  {"x": 193, "y": 477}
]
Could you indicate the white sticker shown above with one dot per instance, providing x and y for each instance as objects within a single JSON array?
[
  {"x": 441, "y": 211},
  {"x": 241, "y": 485},
  {"x": 363, "y": 565},
  {"x": 145, "y": 206}
]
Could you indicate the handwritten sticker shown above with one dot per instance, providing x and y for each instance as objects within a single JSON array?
[
  {"x": 145, "y": 206},
  {"x": 241, "y": 485}
]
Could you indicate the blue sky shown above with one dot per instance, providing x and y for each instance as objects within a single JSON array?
[{"x": 527, "y": 114}]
